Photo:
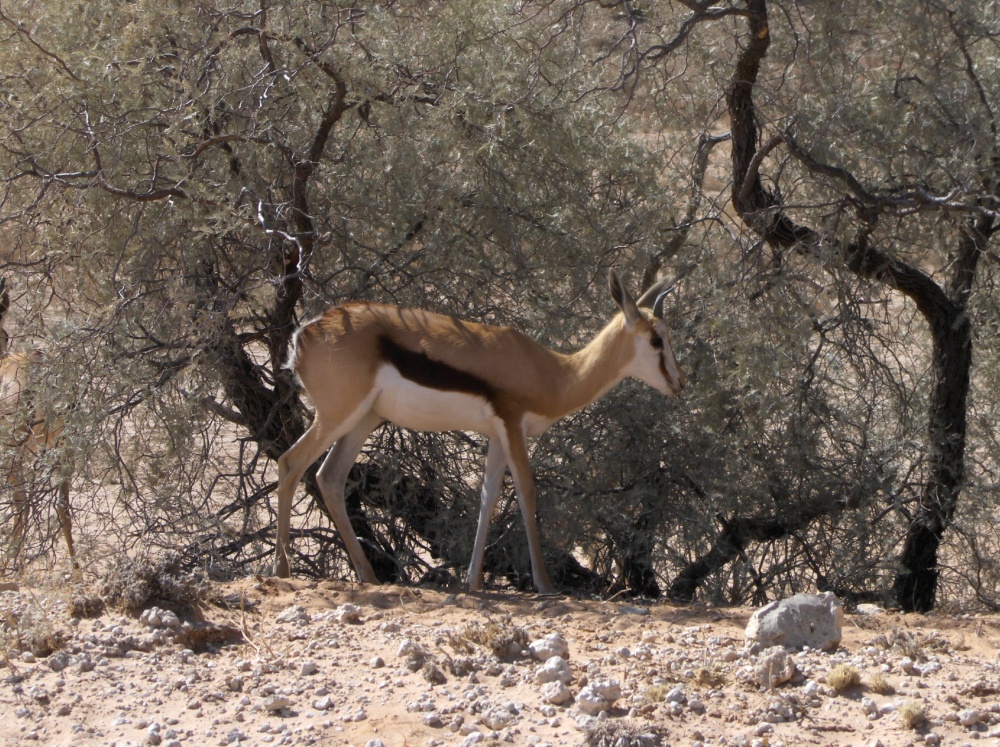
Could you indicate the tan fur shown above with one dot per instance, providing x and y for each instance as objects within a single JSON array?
[
  {"x": 533, "y": 378},
  {"x": 504, "y": 384}
]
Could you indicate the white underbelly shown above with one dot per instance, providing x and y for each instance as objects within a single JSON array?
[{"x": 425, "y": 409}]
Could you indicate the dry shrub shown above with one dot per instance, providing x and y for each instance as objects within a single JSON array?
[
  {"x": 32, "y": 632},
  {"x": 657, "y": 693},
  {"x": 503, "y": 639},
  {"x": 711, "y": 676},
  {"x": 83, "y": 605},
  {"x": 624, "y": 733},
  {"x": 911, "y": 713},
  {"x": 903, "y": 643},
  {"x": 843, "y": 677},
  {"x": 133, "y": 584}
]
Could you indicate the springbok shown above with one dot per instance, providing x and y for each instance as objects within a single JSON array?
[
  {"x": 365, "y": 363},
  {"x": 38, "y": 433}
]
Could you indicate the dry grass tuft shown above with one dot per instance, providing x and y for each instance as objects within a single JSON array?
[
  {"x": 880, "y": 684},
  {"x": 843, "y": 677},
  {"x": 911, "y": 713}
]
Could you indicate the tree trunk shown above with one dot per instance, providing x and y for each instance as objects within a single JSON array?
[
  {"x": 945, "y": 312},
  {"x": 951, "y": 330},
  {"x": 637, "y": 564}
]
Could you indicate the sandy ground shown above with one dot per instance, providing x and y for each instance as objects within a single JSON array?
[{"x": 297, "y": 662}]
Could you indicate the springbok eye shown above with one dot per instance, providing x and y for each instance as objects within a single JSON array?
[{"x": 656, "y": 341}]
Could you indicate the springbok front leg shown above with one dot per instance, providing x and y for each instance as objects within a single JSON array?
[
  {"x": 496, "y": 463},
  {"x": 516, "y": 448}
]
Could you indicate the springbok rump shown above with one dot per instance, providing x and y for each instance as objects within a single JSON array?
[
  {"x": 366, "y": 363},
  {"x": 30, "y": 437}
]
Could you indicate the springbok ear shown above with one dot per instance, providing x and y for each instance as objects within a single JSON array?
[{"x": 622, "y": 297}]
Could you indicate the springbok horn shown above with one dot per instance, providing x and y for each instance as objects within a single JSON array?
[
  {"x": 653, "y": 296},
  {"x": 658, "y": 303}
]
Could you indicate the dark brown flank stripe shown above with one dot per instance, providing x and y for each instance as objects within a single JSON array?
[{"x": 422, "y": 370}]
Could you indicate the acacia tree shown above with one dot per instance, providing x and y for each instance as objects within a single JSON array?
[
  {"x": 217, "y": 173},
  {"x": 861, "y": 146}
]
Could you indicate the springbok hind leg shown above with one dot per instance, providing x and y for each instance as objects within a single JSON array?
[
  {"x": 292, "y": 465},
  {"x": 496, "y": 463},
  {"x": 332, "y": 478}
]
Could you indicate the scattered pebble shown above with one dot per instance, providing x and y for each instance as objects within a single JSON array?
[{"x": 315, "y": 674}]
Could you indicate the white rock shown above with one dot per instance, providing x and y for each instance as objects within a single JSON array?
[
  {"x": 293, "y": 614},
  {"x": 813, "y": 620},
  {"x": 551, "y": 645},
  {"x": 930, "y": 667},
  {"x": 555, "y": 669},
  {"x": 308, "y": 667},
  {"x": 590, "y": 703},
  {"x": 868, "y": 609},
  {"x": 348, "y": 614},
  {"x": 676, "y": 695},
  {"x": 275, "y": 702},
  {"x": 969, "y": 716},
  {"x": 556, "y": 693},
  {"x": 57, "y": 661},
  {"x": 323, "y": 704},
  {"x": 869, "y": 707},
  {"x": 774, "y": 667},
  {"x": 598, "y": 696},
  {"x": 497, "y": 718}
]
